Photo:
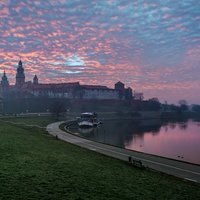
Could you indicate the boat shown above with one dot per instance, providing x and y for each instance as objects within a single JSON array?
[{"x": 88, "y": 120}]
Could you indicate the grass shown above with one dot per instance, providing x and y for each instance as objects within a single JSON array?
[
  {"x": 36, "y": 120},
  {"x": 34, "y": 165}
]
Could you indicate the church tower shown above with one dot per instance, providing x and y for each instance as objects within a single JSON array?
[
  {"x": 20, "y": 77},
  {"x": 35, "y": 80},
  {"x": 4, "y": 81},
  {"x": 4, "y": 87}
]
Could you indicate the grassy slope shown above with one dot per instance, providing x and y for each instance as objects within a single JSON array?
[
  {"x": 34, "y": 165},
  {"x": 36, "y": 120}
]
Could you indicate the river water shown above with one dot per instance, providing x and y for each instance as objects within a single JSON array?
[{"x": 177, "y": 140}]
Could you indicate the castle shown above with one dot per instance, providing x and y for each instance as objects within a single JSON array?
[{"x": 35, "y": 89}]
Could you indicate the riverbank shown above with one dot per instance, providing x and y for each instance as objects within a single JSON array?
[{"x": 35, "y": 165}]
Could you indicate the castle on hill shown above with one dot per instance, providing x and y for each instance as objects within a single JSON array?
[{"x": 74, "y": 90}]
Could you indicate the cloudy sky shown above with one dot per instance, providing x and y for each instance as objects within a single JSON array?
[{"x": 152, "y": 46}]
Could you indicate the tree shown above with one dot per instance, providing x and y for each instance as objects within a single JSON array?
[
  {"x": 196, "y": 108},
  {"x": 151, "y": 105},
  {"x": 173, "y": 107},
  {"x": 183, "y": 105},
  {"x": 57, "y": 109}
]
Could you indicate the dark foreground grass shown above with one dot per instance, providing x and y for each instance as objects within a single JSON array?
[
  {"x": 34, "y": 120},
  {"x": 34, "y": 165}
]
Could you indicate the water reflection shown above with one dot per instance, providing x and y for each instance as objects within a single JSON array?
[
  {"x": 87, "y": 131},
  {"x": 178, "y": 140}
]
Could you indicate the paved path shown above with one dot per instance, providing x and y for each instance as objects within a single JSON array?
[{"x": 180, "y": 169}]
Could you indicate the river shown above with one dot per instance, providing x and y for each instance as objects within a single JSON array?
[{"x": 177, "y": 140}]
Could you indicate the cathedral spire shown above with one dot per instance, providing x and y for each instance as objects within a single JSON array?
[{"x": 20, "y": 63}]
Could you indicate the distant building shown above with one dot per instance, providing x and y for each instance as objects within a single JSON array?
[
  {"x": 98, "y": 92},
  {"x": 63, "y": 90}
]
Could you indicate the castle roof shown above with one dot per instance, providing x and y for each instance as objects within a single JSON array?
[
  {"x": 119, "y": 83},
  {"x": 53, "y": 86},
  {"x": 97, "y": 87}
]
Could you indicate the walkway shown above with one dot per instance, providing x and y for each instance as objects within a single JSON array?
[{"x": 180, "y": 169}]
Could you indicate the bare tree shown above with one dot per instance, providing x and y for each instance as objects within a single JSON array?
[
  {"x": 57, "y": 109},
  {"x": 183, "y": 105}
]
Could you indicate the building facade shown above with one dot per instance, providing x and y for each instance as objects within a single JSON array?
[{"x": 62, "y": 90}]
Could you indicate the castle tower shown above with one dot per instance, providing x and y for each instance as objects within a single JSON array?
[
  {"x": 4, "y": 81},
  {"x": 35, "y": 80},
  {"x": 20, "y": 77},
  {"x": 4, "y": 89},
  {"x": 119, "y": 86}
]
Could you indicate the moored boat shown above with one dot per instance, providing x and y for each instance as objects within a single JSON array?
[{"x": 88, "y": 120}]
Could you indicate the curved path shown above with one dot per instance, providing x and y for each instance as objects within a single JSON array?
[{"x": 176, "y": 168}]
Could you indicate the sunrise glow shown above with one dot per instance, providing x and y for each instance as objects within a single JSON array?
[{"x": 151, "y": 46}]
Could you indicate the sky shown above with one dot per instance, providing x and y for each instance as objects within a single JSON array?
[{"x": 152, "y": 46}]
